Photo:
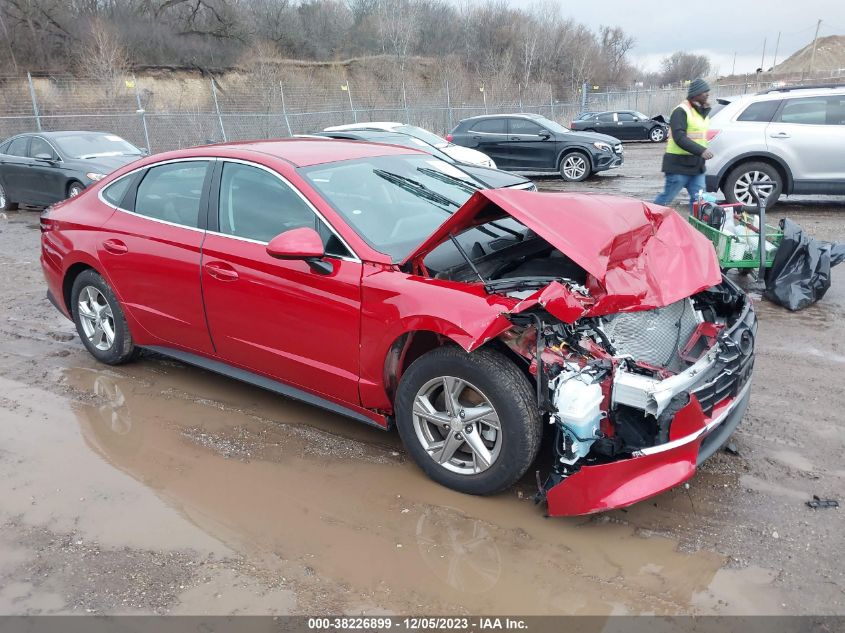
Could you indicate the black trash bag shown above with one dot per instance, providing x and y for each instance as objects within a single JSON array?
[{"x": 800, "y": 272}]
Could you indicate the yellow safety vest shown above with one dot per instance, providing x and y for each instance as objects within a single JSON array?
[{"x": 697, "y": 127}]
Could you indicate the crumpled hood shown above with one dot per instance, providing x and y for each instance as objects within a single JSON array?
[{"x": 639, "y": 255}]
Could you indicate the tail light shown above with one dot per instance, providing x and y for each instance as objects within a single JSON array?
[
  {"x": 711, "y": 134},
  {"x": 449, "y": 137}
]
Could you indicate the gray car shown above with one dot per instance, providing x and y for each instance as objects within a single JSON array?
[
  {"x": 45, "y": 167},
  {"x": 787, "y": 140}
]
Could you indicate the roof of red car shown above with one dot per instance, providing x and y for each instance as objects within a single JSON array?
[{"x": 304, "y": 152}]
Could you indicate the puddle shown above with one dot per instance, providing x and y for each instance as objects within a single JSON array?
[{"x": 145, "y": 459}]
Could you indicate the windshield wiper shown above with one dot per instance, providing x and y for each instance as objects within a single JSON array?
[
  {"x": 452, "y": 180},
  {"x": 415, "y": 187}
]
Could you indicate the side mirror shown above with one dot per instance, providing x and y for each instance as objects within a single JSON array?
[
  {"x": 47, "y": 158},
  {"x": 144, "y": 151},
  {"x": 303, "y": 243},
  {"x": 544, "y": 135}
]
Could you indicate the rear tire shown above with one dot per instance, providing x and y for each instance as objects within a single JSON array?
[
  {"x": 575, "y": 166},
  {"x": 736, "y": 187},
  {"x": 452, "y": 439},
  {"x": 5, "y": 203},
  {"x": 99, "y": 320}
]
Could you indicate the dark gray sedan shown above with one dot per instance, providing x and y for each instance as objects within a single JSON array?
[{"x": 44, "y": 167}]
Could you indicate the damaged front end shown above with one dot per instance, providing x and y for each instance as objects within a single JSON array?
[
  {"x": 636, "y": 399},
  {"x": 640, "y": 350}
]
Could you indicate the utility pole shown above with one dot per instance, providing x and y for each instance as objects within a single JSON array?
[
  {"x": 777, "y": 45},
  {"x": 733, "y": 68},
  {"x": 763, "y": 58},
  {"x": 813, "y": 56}
]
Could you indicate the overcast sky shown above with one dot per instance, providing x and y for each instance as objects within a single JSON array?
[{"x": 717, "y": 28}]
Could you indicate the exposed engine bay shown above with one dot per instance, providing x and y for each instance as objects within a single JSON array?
[{"x": 612, "y": 385}]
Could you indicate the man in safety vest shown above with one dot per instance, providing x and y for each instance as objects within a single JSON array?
[{"x": 686, "y": 151}]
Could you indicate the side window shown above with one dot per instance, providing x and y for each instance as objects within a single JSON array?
[
  {"x": 40, "y": 146},
  {"x": 626, "y": 116},
  {"x": 114, "y": 193},
  {"x": 607, "y": 117},
  {"x": 836, "y": 110},
  {"x": 172, "y": 192},
  {"x": 490, "y": 126},
  {"x": 811, "y": 111},
  {"x": 18, "y": 146},
  {"x": 257, "y": 205},
  {"x": 521, "y": 126},
  {"x": 762, "y": 111}
]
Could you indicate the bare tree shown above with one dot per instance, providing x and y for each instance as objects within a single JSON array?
[
  {"x": 102, "y": 56},
  {"x": 680, "y": 67}
]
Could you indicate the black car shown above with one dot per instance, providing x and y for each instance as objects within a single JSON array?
[
  {"x": 44, "y": 167},
  {"x": 626, "y": 125},
  {"x": 532, "y": 143},
  {"x": 489, "y": 177}
]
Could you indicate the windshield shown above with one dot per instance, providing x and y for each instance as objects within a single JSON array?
[
  {"x": 423, "y": 135},
  {"x": 393, "y": 202},
  {"x": 85, "y": 145},
  {"x": 641, "y": 116}
]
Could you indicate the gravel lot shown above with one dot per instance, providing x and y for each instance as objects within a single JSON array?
[{"x": 160, "y": 488}]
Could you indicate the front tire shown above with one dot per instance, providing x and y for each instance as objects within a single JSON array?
[
  {"x": 99, "y": 320},
  {"x": 575, "y": 166},
  {"x": 470, "y": 421},
  {"x": 657, "y": 135},
  {"x": 74, "y": 189},
  {"x": 737, "y": 185}
]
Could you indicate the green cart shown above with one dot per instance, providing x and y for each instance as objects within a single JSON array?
[{"x": 740, "y": 252}]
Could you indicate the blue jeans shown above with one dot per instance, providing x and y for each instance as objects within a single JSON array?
[{"x": 676, "y": 182}]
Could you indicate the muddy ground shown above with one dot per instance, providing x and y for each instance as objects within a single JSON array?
[{"x": 161, "y": 488}]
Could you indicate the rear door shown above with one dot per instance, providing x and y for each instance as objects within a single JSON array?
[
  {"x": 13, "y": 169},
  {"x": 809, "y": 133},
  {"x": 530, "y": 146},
  {"x": 490, "y": 136},
  {"x": 606, "y": 123},
  {"x": 150, "y": 249},
  {"x": 279, "y": 318}
]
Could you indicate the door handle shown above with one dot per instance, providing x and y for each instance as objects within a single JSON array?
[
  {"x": 115, "y": 247},
  {"x": 515, "y": 138},
  {"x": 221, "y": 271},
  {"x": 779, "y": 135},
  {"x": 476, "y": 138}
]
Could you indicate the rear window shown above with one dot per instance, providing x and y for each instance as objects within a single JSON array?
[
  {"x": 113, "y": 194},
  {"x": 490, "y": 126},
  {"x": 762, "y": 111}
]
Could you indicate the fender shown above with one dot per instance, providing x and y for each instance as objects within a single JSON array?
[
  {"x": 579, "y": 146},
  {"x": 747, "y": 156}
]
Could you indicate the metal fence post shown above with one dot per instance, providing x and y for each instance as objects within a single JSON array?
[
  {"x": 217, "y": 109},
  {"x": 284, "y": 108},
  {"x": 34, "y": 101},
  {"x": 584, "y": 97},
  {"x": 143, "y": 114},
  {"x": 351, "y": 107},
  {"x": 449, "y": 104},
  {"x": 484, "y": 97},
  {"x": 405, "y": 104}
]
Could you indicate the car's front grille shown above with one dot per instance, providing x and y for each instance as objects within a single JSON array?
[{"x": 736, "y": 362}]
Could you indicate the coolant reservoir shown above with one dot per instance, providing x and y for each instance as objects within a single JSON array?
[{"x": 578, "y": 405}]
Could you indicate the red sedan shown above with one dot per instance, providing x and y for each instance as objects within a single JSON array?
[{"x": 387, "y": 286}]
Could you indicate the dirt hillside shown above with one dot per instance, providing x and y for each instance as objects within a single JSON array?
[{"x": 830, "y": 56}]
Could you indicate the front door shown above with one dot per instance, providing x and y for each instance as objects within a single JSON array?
[
  {"x": 45, "y": 178},
  {"x": 151, "y": 252},
  {"x": 280, "y": 318},
  {"x": 531, "y": 146}
]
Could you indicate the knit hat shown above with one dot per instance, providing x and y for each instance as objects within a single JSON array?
[{"x": 696, "y": 87}]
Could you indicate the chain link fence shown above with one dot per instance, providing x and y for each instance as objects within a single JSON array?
[{"x": 169, "y": 112}]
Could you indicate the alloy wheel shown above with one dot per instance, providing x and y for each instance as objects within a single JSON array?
[
  {"x": 574, "y": 166},
  {"x": 742, "y": 188},
  {"x": 95, "y": 315},
  {"x": 657, "y": 134},
  {"x": 74, "y": 191},
  {"x": 457, "y": 425}
]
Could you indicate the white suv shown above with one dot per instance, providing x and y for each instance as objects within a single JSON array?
[{"x": 790, "y": 140}]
